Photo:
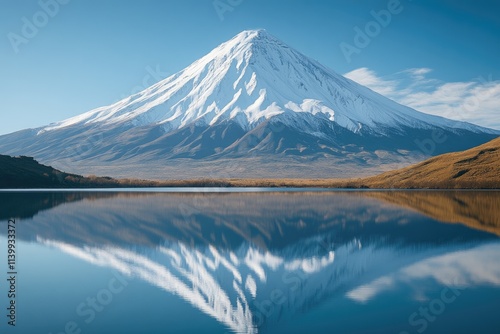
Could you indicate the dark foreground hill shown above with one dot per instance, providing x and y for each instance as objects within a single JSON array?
[{"x": 26, "y": 172}]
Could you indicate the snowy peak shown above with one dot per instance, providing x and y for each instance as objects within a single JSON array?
[
  {"x": 247, "y": 44},
  {"x": 252, "y": 78},
  {"x": 248, "y": 39}
]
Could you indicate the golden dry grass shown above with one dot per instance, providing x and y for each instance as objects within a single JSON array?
[{"x": 475, "y": 168}]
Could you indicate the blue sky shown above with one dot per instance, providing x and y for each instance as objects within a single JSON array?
[{"x": 440, "y": 57}]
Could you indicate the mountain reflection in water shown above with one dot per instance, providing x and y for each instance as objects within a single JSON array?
[{"x": 255, "y": 262}]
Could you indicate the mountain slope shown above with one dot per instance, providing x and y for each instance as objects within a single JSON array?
[
  {"x": 256, "y": 105},
  {"x": 478, "y": 167},
  {"x": 475, "y": 168}
]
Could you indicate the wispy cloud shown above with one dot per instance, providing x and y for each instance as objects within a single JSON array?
[
  {"x": 476, "y": 101},
  {"x": 369, "y": 78},
  {"x": 455, "y": 268}
]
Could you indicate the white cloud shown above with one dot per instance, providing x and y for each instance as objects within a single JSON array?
[
  {"x": 418, "y": 73},
  {"x": 369, "y": 78},
  {"x": 476, "y": 101}
]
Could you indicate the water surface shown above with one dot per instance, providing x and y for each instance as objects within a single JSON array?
[{"x": 256, "y": 262}]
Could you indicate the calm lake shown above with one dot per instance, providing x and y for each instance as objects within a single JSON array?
[{"x": 251, "y": 262}]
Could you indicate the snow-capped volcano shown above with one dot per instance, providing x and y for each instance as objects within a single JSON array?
[
  {"x": 252, "y": 78},
  {"x": 251, "y": 95}
]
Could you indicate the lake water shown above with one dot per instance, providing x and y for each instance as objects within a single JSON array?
[{"x": 254, "y": 262}]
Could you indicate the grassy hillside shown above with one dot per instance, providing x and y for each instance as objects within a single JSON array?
[{"x": 478, "y": 167}]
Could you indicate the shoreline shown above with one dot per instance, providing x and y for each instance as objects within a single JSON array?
[{"x": 233, "y": 185}]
